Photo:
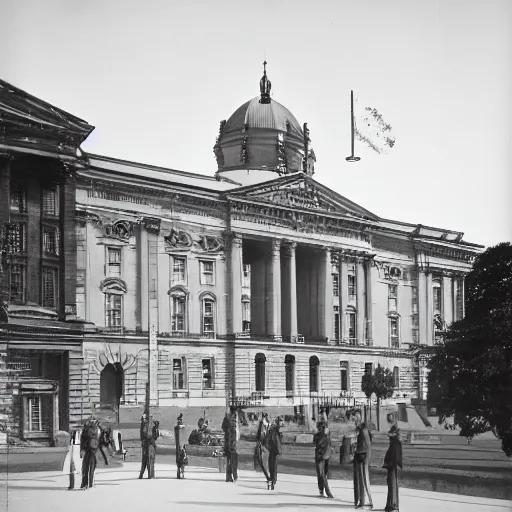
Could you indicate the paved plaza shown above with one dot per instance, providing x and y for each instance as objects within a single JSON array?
[{"x": 204, "y": 490}]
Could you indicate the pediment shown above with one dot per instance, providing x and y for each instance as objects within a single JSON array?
[{"x": 304, "y": 193}]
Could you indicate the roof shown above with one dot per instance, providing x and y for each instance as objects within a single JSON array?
[{"x": 271, "y": 115}]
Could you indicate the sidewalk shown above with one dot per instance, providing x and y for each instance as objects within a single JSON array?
[{"x": 204, "y": 489}]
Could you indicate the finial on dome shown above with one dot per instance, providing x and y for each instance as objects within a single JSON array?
[{"x": 265, "y": 85}]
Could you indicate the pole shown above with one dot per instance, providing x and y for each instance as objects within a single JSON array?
[{"x": 352, "y": 158}]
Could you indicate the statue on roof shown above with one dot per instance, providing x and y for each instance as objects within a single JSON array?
[{"x": 265, "y": 85}]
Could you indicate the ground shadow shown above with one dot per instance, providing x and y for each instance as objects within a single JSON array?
[{"x": 241, "y": 506}]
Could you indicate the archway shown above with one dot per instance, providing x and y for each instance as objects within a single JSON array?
[{"x": 111, "y": 387}]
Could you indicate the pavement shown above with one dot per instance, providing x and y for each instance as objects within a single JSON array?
[{"x": 204, "y": 489}]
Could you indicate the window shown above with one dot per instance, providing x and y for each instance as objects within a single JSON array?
[
  {"x": 344, "y": 375},
  {"x": 394, "y": 338},
  {"x": 368, "y": 368},
  {"x": 51, "y": 240},
  {"x": 314, "y": 374},
  {"x": 414, "y": 291},
  {"x": 208, "y": 318},
  {"x": 207, "y": 272},
  {"x": 289, "y": 366},
  {"x": 113, "y": 310},
  {"x": 179, "y": 269},
  {"x": 178, "y": 373},
  {"x": 114, "y": 261},
  {"x": 35, "y": 416},
  {"x": 336, "y": 322},
  {"x": 351, "y": 286},
  {"x": 392, "y": 297},
  {"x": 16, "y": 238},
  {"x": 437, "y": 298},
  {"x": 18, "y": 198},
  {"x": 415, "y": 335},
  {"x": 352, "y": 334},
  {"x": 178, "y": 315},
  {"x": 259, "y": 369},
  {"x": 335, "y": 285},
  {"x": 17, "y": 284},
  {"x": 246, "y": 316},
  {"x": 396, "y": 377},
  {"x": 246, "y": 280},
  {"x": 50, "y": 287},
  {"x": 51, "y": 202},
  {"x": 207, "y": 373}
]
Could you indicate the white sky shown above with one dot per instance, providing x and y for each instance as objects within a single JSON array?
[{"x": 157, "y": 77}]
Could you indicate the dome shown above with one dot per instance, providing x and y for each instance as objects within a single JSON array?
[{"x": 264, "y": 138}]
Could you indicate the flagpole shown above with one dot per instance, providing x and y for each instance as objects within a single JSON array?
[{"x": 352, "y": 158}]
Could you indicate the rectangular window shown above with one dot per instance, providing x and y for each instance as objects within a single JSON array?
[
  {"x": 18, "y": 198},
  {"x": 207, "y": 272},
  {"x": 352, "y": 328},
  {"x": 351, "y": 286},
  {"x": 50, "y": 287},
  {"x": 51, "y": 202},
  {"x": 437, "y": 299},
  {"x": 51, "y": 241},
  {"x": 396, "y": 377},
  {"x": 179, "y": 269},
  {"x": 17, "y": 284},
  {"x": 246, "y": 316},
  {"x": 336, "y": 322},
  {"x": 208, "y": 318},
  {"x": 392, "y": 297},
  {"x": 35, "y": 416},
  {"x": 207, "y": 373},
  {"x": 16, "y": 238},
  {"x": 335, "y": 285},
  {"x": 178, "y": 373},
  {"x": 113, "y": 310},
  {"x": 368, "y": 368},
  {"x": 415, "y": 335},
  {"x": 394, "y": 332},
  {"x": 246, "y": 279},
  {"x": 178, "y": 314},
  {"x": 344, "y": 375},
  {"x": 114, "y": 261}
]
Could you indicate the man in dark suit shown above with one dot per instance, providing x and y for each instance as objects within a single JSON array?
[
  {"x": 274, "y": 449},
  {"x": 89, "y": 445},
  {"x": 229, "y": 426},
  {"x": 148, "y": 436},
  {"x": 362, "y": 456}
]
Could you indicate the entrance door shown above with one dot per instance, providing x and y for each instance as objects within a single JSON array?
[{"x": 111, "y": 389}]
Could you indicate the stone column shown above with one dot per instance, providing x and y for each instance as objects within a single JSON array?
[
  {"x": 143, "y": 277},
  {"x": 422, "y": 307},
  {"x": 360, "y": 302},
  {"x": 430, "y": 311},
  {"x": 369, "y": 307},
  {"x": 463, "y": 296},
  {"x": 275, "y": 290},
  {"x": 447, "y": 300},
  {"x": 455, "y": 312},
  {"x": 343, "y": 297},
  {"x": 326, "y": 297},
  {"x": 235, "y": 263},
  {"x": 5, "y": 192},
  {"x": 289, "y": 309}
]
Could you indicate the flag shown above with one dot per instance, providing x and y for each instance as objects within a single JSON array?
[{"x": 370, "y": 128}]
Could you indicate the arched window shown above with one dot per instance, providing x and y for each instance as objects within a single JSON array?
[
  {"x": 208, "y": 315},
  {"x": 259, "y": 364},
  {"x": 179, "y": 310},
  {"x": 314, "y": 374},
  {"x": 289, "y": 366}
]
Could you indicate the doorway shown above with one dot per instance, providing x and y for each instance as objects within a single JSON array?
[{"x": 112, "y": 388}]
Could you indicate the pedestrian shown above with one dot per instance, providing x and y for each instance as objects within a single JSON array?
[
  {"x": 261, "y": 451},
  {"x": 230, "y": 428},
  {"x": 180, "y": 447},
  {"x": 72, "y": 463},
  {"x": 89, "y": 444},
  {"x": 362, "y": 456},
  {"x": 393, "y": 461},
  {"x": 148, "y": 437},
  {"x": 107, "y": 442},
  {"x": 323, "y": 451},
  {"x": 274, "y": 444}
]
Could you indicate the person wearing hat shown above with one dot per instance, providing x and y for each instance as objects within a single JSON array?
[
  {"x": 362, "y": 457},
  {"x": 323, "y": 451},
  {"x": 393, "y": 461},
  {"x": 261, "y": 450},
  {"x": 275, "y": 449},
  {"x": 230, "y": 428}
]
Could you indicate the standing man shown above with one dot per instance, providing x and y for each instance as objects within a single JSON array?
[
  {"x": 362, "y": 456},
  {"x": 261, "y": 451},
  {"x": 89, "y": 444},
  {"x": 148, "y": 437},
  {"x": 323, "y": 451},
  {"x": 275, "y": 449},
  {"x": 393, "y": 461},
  {"x": 229, "y": 426}
]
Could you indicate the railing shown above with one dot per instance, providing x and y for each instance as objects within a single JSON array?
[{"x": 19, "y": 366}]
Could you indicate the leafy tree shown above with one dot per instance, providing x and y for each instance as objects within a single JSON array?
[
  {"x": 380, "y": 384},
  {"x": 471, "y": 373}
]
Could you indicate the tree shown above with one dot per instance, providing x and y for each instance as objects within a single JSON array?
[
  {"x": 380, "y": 384},
  {"x": 471, "y": 373}
]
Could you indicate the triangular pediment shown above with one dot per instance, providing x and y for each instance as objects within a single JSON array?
[{"x": 302, "y": 192}]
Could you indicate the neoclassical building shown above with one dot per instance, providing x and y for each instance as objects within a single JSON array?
[{"x": 257, "y": 283}]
